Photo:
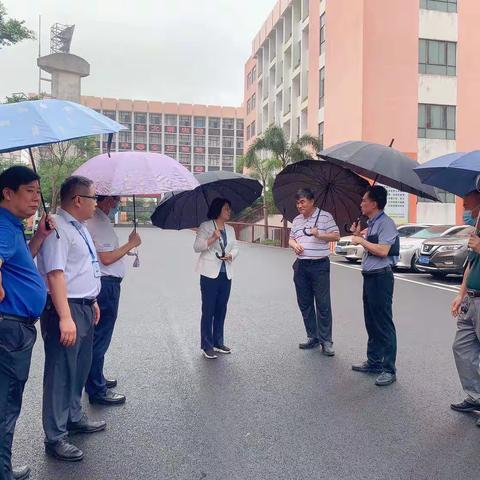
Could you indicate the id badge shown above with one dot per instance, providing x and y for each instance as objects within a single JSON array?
[{"x": 96, "y": 269}]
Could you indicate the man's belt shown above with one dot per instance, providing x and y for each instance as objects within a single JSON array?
[
  {"x": 473, "y": 293},
  {"x": 18, "y": 318},
  {"x": 82, "y": 301},
  {"x": 377, "y": 271}
]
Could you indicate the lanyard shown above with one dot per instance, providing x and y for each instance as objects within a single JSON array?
[
  {"x": 85, "y": 239},
  {"x": 220, "y": 240},
  {"x": 370, "y": 226}
]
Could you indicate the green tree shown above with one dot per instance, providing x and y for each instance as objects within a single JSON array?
[
  {"x": 21, "y": 97},
  {"x": 263, "y": 169},
  {"x": 12, "y": 31},
  {"x": 274, "y": 143}
]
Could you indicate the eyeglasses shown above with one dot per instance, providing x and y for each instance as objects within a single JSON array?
[{"x": 93, "y": 197}]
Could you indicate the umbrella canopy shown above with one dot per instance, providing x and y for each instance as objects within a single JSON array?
[
  {"x": 189, "y": 209},
  {"x": 337, "y": 190},
  {"x": 457, "y": 173},
  {"x": 383, "y": 164},
  {"x": 136, "y": 173},
  {"x": 41, "y": 122}
]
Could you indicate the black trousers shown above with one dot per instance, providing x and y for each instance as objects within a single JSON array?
[
  {"x": 377, "y": 308},
  {"x": 215, "y": 295},
  {"x": 108, "y": 300},
  {"x": 16, "y": 345},
  {"x": 312, "y": 284}
]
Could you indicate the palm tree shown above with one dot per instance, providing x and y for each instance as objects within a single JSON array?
[
  {"x": 275, "y": 144},
  {"x": 263, "y": 169}
]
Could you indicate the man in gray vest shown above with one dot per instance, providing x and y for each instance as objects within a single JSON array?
[{"x": 381, "y": 246}]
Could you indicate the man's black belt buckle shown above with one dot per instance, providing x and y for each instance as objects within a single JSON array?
[
  {"x": 378, "y": 271},
  {"x": 82, "y": 301},
  {"x": 18, "y": 318},
  {"x": 473, "y": 293}
]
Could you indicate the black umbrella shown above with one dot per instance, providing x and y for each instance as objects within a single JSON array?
[
  {"x": 382, "y": 164},
  {"x": 188, "y": 209},
  {"x": 337, "y": 190}
]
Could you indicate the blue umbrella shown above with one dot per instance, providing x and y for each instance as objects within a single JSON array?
[
  {"x": 42, "y": 122},
  {"x": 457, "y": 173}
]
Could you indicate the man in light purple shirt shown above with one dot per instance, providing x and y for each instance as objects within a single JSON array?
[{"x": 312, "y": 231}]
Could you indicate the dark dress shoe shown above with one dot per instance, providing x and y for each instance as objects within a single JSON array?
[
  {"x": 111, "y": 383},
  {"x": 21, "y": 473},
  {"x": 309, "y": 344},
  {"x": 110, "y": 398},
  {"x": 327, "y": 349},
  {"x": 366, "y": 367},
  {"x": 64, "y": 451},
  {"x": 86, "y": 426},
  {"x": 465, "y": 407},
  {"x": 385, "y": 378}
]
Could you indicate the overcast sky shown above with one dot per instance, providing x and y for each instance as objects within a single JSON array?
[{"x": 190, "y": 51}]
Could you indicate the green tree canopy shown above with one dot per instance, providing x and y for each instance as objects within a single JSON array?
[{"x": 12, "y": 31}]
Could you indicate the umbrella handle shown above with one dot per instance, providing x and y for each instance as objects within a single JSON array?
[
  {"x": 134, "y": 216},
  {"x": 47, "y": 225}
]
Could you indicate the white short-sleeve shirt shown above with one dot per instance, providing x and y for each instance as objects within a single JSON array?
[
  {"x": 105, "y": 240},
  {"x": 71, "y": 254}
]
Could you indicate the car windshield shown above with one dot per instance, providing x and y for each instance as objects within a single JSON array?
[{"x": 430, "y": 232}]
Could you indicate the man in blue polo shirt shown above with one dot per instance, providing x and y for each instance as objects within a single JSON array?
[{"x": 22, "y": 299}]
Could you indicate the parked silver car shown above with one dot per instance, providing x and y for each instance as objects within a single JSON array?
[{"x": 354, "y": 253}]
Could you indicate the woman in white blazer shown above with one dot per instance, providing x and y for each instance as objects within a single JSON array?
[{"x": 218, "y": 248}]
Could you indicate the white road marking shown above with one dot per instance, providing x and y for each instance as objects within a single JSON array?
[{"x": 438, "y": 286}]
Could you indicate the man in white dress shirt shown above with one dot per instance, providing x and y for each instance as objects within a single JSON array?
[
  {"x": 110, "y": 255},
  {"x": 69, "y": 265}
]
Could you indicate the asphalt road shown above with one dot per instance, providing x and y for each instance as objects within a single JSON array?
[{"x": 268, "y": 411}]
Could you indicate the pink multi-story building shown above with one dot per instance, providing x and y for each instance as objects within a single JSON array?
[
  {"x": 371, "y": 70},
  {"x": 200, "y": 137}
]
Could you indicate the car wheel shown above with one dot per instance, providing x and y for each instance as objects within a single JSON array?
[
  {"x": 413, "y": 264},
  {"x": 439, "y": 275}
]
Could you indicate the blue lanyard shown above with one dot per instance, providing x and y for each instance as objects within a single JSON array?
[
  {"x": 85, "y": 239},
  {"x": 370, "y": 227}
]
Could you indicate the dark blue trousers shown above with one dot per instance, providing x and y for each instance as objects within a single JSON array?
[
  {"x": 108, "y": 300},
  {"x": 215, "y": 294},
  {"x": 377, "y": 308},
  {"x": 16, "y": 344}
]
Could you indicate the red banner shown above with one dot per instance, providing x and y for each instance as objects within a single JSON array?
[
  {"x": 199, "y": 168},
  {"x": 170, "y": 148},
  {"x": 199, "y": 150},
  {"x": 185, "y": 130}
]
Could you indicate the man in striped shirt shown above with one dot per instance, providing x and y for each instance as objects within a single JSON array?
[{"x": 312, "y": 231}]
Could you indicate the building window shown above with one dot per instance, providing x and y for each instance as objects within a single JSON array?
[
  {"x": 155, "y": 118},
  {"x": 140, "y": 137},
  {"x": 437, "y": 57},
  {"x": 185, "y": 121},
  {"x": 227, "y": 161},
  {"x": 249, "y": 79},
  {"x": 170, "y": 139},
  {"x": 240, "y": 144},
  {"x": 185, "y": 140},
  {"x": 240, "y": 124},
  {"x": 214, "y": 160},
  {"x": 156, "y": 138},
  {"x": 227, "y": 142},
  {"x": 213, "y": 141},
  {"x": 321, "y": 128},
  {"x": 214, "y": 122},
  {"x": 228, "y": 123},
  {"x": 199, "y": 122},
  {"x": 322, "y": 88},
  {"x": 322, "y": 34},
  {"x": 254, "y": 73},
  {"x": 436, "y": 121},
  {"x": 140, "y": 118},
  {"x": 112, "y": 114},
  {"x": 198, "y": 159},
  {"x": 185, "y": 158},
  {"x": 199, "y": 141},
  {"x": 443, "y": 196},
  {"x": 171, "y": 120},
  {"x": 440, "y": 5},
  {"x": 248, "y": 106},
  {"x": 125, "y": 117}
]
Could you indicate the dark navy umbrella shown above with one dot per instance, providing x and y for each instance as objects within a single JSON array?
[
  {"x": 188, "y": 209},
  {"x": 382, "y": 164},
  {"x": 457, "y": 173},
  {"x": 337, "y": 190}
]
